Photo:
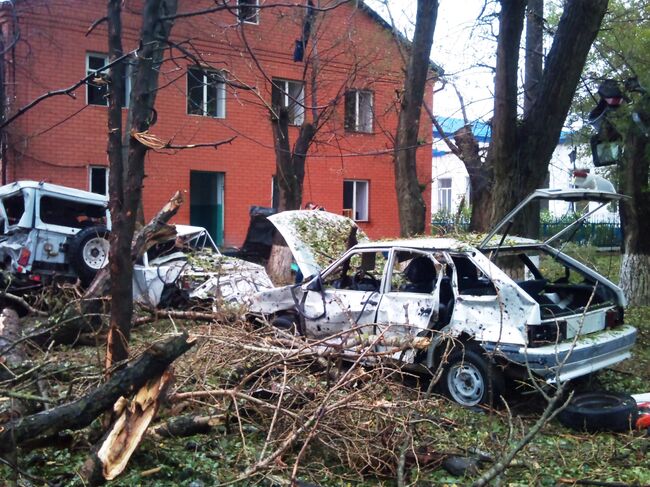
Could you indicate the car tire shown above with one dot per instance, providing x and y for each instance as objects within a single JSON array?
[
  {"x": 288, "y": 323},
  {"x": 600, "y": 411},
  {"x": 470, "y": 379},
  {"x": 88, "y": 252}
]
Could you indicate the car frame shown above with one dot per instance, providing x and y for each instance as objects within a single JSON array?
[{"x": 482, "y": 324}]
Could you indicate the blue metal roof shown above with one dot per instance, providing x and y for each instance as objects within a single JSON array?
[{"x": 482, "y": 131}]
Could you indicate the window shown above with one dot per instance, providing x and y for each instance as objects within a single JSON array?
[
  {"x": 97, "y": 88},
  {"x": 206, "y": 93},
  {"x": 361, "y": 271},
  {"x": 355, "y": 200},
  {"x": 358, "y": 111},
  {"x": 444, "y": 195},
  {"x": 98, "y": 180},
  {"x": 68, "y": 213},
  {"x": 248, "y": 11},
  {"x": 290, "y": 95}
]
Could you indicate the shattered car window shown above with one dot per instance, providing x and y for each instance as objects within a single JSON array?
[
  {"x": 68, "y": 213},
  {"x": 471, "y": 281},
  {"x": 413, "y": 272},
  {"x": 361, "y": 271},
  {"x": 14, "y": 208}
]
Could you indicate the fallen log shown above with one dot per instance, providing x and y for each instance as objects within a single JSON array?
[
  {"x": 188, "y": 426},
  {"x": 80, "y": 413}
]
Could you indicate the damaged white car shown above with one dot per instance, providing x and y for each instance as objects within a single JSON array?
[
  {"x": 508, "y": 307},
  {"x": 50, "y": 231},
  {"x": 190, "y": 267}
]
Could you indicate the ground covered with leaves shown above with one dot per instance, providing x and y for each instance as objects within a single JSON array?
[{"x": 273, "y": 409}]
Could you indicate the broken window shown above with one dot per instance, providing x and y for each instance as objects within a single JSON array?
[
  {"x": 471, "y": 280},
  {"x": 289, "y": 95},
  {"x": 68, "y": 213},
  {"x": 355, "y": 200},
  {"x": 413, "y": 272},
  {"x": 97, "y": 87},
  {"x": 14, "y": 206},
  {"x": 248, "y": 12},
  {"x": 358, "y": 111},
  {"x": 206, "y": 93},
  {"x": 362, "y": 271}
]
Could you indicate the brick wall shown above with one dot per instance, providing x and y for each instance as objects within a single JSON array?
[{"x": 63, "y": 136}]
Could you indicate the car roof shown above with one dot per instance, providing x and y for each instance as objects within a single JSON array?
[
  {"x": 444, "y": 243},
  {"x": 53, "y": 188}
]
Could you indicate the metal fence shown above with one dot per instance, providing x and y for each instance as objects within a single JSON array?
[{"x": 597, "y": 233}]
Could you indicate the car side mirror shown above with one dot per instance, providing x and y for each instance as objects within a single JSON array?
[{"x": 315, "y": 284}]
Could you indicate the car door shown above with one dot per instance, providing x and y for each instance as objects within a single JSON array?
[
  {"x": 346, "y": 296},
  {"x": 412, "y": 296}
]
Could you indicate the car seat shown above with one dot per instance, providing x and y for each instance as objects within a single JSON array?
[{"x": 421, "y": 274}]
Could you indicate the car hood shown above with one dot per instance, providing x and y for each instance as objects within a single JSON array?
[
  {"x": 572, "y": 194},
  {"x": 316, "y": 237}
]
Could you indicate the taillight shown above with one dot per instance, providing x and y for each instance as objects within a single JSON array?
[
  {"x": 23, "y": 260},
  {"x": 614, "y": 317}
]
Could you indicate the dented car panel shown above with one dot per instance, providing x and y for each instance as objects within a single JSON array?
[
  {"x": 560, "y": 326},
  {"x": 192, "y": 262}
]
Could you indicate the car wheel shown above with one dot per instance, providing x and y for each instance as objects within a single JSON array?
[
  {"x": 600, "y": 411},
  {"x": 88, "y": 252},
  {"x": 470, "y": 379},
  {"x": 288, "y": 323}
]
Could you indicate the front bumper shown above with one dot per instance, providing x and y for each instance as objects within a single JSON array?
[{"x": 570, "y": 359}]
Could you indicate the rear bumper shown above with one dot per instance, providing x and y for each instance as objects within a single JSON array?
[{"x": 570, "y": 359}]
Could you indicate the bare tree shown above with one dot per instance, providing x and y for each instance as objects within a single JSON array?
[{"x": 412, "y": 209}]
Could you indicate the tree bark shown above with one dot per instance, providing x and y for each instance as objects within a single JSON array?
[
  {"x": 534, "y": 58},
  {"x": 80, "y": 413},
  {"x": 126, "y": 180},
  {"x": 634, "y": 170},
  {"x": 520, "y": 153},
  {"x": 411, "y": 206}
]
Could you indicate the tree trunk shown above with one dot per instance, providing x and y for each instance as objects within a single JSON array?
[
  {"x": 125, "y": 197},
  {"x": 534, "y": 59},
  {"x": 520, "y": 154},
  {"x": 635, "y": 266},
  {"x": 480, "y": 177},
  {"x": 411, "y": 206},
  {"x": 290, "y": 175}
]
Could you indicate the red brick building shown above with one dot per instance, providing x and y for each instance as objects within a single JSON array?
[{"x": 349, "y": 166}]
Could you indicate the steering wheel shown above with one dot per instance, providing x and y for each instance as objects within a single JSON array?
[{"x": 362, "y": 280}]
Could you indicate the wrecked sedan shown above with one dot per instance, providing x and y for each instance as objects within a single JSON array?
[
  {"x": 490, "y": 312},
  {"x": 190, "y": 267}
]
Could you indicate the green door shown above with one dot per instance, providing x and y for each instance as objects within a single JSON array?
[{"x": 206, "y": 202}]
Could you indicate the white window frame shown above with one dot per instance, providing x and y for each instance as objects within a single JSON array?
[
  {"x": 256, "y": 17},
  {"x": 358, "y": 127},
  {"x": 127, "y": 78},
  {"x": 285, "y": 85},
  {"x": 360, "y": 209},
  {"x": 445, "y": 194},
  {"x": 220, "y": 94},
  {"x": 90, "y": 177}
]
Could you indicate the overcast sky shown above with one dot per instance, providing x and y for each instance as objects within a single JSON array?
[{"x": 459, "y": 47}]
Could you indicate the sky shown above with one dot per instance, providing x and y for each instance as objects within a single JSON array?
[{"x": 459, "y": 48}]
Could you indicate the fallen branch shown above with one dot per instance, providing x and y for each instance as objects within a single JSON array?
[
  {"x": 83, "y": 411},
  {"x": 110, "y": 457}
]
